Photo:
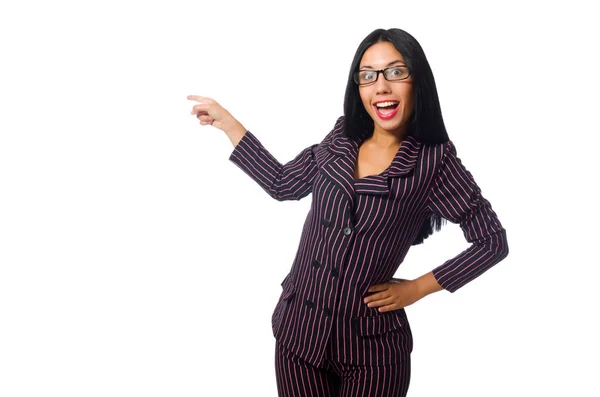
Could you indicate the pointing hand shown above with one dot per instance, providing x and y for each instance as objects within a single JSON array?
[{"x": 209, "y": 112}]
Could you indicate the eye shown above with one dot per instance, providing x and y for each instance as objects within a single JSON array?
[
  {"x": 368, "y": 75},
  {"x": 397, "y": 73}
]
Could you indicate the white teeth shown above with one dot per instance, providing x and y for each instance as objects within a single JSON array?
[{"x": 384, "y": 104}]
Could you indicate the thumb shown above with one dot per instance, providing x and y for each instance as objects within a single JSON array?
[
  {"x": 397, "y": 280},
  {"x": 378, "y": 287}
]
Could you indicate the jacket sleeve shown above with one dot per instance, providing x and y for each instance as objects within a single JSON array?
[
  {"x": 290, "y": 181},
  {"x": 456, "y": 197}
]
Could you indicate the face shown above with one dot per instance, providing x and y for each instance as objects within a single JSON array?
[{"x": 398, "y": 94}]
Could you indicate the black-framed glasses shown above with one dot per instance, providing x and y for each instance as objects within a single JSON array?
[{"x": 394, "y": 73}]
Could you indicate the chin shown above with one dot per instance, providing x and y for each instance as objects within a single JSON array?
[{"x": 391, "y": 126}]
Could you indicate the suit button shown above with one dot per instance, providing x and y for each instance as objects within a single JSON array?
[
  {"x": 327, "y": 311},
  {"x": 309, "y": 304},
  {"x": 316, "y": 263},
  {"x": 325, "y": 222},
  {"x": 335, "y": 272},
  {"x": 347, "y": 231}
]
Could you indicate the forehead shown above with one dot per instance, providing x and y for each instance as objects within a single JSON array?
[{"x": 380, "y": 55}]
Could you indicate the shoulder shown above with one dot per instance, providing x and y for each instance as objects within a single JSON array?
[
  {"x": 338, "y": 127},
  {"x": 436, "y": 153},
  {"x": 445, "y": 151},
  {"x": 452, "y": 165},
  {"x": 336, "y": 132}
]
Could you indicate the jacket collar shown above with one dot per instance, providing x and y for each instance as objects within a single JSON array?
[
  {"x": 404, "y": 160},
  {"x": 340, "y": 170}
]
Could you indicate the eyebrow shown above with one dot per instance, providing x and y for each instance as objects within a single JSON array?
[{"x": 389, "y": 64}]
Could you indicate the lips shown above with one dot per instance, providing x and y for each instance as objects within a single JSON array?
[{"x": 388, "y": 112}]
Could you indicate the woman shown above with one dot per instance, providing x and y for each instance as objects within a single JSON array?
[{"x": 382, "y": 180}]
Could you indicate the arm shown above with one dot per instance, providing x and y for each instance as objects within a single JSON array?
[
  {"x": 456, "y": 197},
  {"x": 290, "y": 181}
]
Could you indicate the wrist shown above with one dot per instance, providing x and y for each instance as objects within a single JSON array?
[
  {"x": 427, "y": 284},
  {"x": 235, "y": 131}
]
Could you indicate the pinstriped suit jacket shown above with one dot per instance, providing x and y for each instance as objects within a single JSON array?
[{"x": 358, "y": 232}]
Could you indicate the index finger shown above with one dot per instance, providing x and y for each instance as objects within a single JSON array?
[
  {"x": 199, "y": 98},
  {"x": 376, "y": 297}
]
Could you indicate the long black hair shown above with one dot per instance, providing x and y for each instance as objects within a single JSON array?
[{"x": 426, "y": 123}]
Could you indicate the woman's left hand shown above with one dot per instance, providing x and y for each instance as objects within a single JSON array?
[{"x": 393, "y": 295}]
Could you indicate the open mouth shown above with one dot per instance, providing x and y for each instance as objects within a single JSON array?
[{"x": 386, "y": 110}]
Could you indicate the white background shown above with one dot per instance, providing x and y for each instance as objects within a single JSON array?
[{"x": 136, "y": 260}]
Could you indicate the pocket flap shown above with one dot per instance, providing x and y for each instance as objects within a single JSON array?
[
  {"x": 375, "y": 325},
  {"x": 289, "y": 289}
]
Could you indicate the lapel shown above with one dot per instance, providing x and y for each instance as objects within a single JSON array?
[{"x": 340, "y": 170}]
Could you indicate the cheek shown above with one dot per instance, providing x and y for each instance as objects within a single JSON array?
[
  {"x": 364, "y": 97},
  {"x": 407, "y": 98}
]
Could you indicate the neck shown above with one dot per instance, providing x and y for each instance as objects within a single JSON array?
[{"x": 387, "y": 139}]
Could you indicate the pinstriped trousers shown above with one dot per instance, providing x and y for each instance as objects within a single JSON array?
[{"x": 297, "y": 378}]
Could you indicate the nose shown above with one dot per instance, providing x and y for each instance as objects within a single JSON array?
[{"x": 382, "y": 86}]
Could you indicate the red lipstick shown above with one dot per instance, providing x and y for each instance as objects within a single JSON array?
[{"x": 385, "y": 116}]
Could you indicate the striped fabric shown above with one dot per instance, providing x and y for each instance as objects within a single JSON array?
[
  {"x": 297, "y": 378},
  {"x": 358, "y": 232}
]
